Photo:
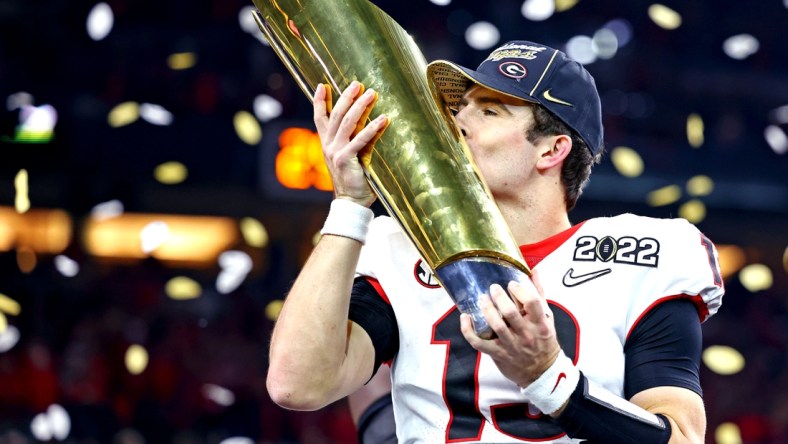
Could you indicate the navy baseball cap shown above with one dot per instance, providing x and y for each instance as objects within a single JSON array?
[{"x": 534, "y": 73}]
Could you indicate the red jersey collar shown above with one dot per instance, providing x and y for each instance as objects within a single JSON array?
[{"x": 534, "y": 253}]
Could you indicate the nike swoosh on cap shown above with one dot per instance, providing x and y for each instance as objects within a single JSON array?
[
  {"x": 571, "y": 280},
  {"x": 546, "y": 94}
]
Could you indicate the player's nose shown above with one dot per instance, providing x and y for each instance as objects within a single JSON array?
[{"x": 462, "y": 124}]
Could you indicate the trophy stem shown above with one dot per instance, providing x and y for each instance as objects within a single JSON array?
[{"x": 467, "y": 279}]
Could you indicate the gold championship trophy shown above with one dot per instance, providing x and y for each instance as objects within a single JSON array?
[{"x": 420, "y": 168}]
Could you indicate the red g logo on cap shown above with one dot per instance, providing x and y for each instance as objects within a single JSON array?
[{"x": 512, "y": 69}]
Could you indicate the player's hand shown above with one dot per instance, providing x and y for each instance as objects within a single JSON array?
[
  {"x": 343, "y": 135},
  {"x": 525, "y": 342}
]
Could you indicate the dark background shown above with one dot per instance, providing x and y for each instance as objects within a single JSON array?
[{"x": 74, "y": 331}]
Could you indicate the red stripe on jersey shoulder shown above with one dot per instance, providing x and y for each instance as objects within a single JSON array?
[
  {"x": 379, "y": 288},
  {"x": 703, "y": 311},
  {"x": 534, "y": 253}
]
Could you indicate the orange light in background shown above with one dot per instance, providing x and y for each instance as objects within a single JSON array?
[
  {"x": 26, "y": 259},
  {"x": 38, "y": 230},
  {"x": 299, "y": 163},
  {"x": 8, "y": 227},
  {"x": 195, "y": 239},
  {"x": 732, "y": 259}
]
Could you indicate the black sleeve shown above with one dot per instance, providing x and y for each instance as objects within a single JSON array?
[
  {"x": 375, "y": 315},
  {"x": 664, "y": 349}
]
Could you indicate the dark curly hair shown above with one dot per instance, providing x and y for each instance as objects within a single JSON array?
[{"x": 577, "y": 165}]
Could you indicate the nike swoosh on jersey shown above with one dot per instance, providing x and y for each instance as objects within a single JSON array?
[{"x": 571, "y": 280}]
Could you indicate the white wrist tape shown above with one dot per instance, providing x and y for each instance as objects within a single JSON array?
[
  {"x": 553, "y": 388},
  {"x": 348, "y": 219}
]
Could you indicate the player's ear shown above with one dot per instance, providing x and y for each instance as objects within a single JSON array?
[{"x": 554, "y": 151}]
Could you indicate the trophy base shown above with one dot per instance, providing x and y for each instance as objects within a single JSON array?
[{"x": 467, "y": 279}]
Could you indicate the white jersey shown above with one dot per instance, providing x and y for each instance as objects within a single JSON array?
[{"x": 600, "y": 277}]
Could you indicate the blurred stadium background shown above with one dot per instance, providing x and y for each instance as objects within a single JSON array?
[{"x": 161, "y": 185}]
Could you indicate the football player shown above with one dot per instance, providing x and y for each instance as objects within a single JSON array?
[{"x": 602, "y": 344}]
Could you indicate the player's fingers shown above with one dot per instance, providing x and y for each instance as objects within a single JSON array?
[
  {"x": 505, "y": 305},
  {"x": 354, "y": 117},
  {"x": 493, "y": 316},
  {"x": 529, "y": 297},
  {"x": 466, "y": 327},
  {"x": 491, "y": 347},
  {"x": 368, "y": 136},
  {"x": 321, "y": 106},
  {"x": 365, "y": 114},
  {"x": 536, "y": 283},
  {"x": 540, "y": 292},
  {"x": 523, "y": 291},
  {"x": 329, "y": 98},
  {"x": 345, "y": 101}
]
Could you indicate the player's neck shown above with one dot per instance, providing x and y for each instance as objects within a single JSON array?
[{"x": 536, "y": 217}]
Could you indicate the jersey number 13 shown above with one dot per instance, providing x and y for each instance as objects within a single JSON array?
[{"x": 461, "y": 385}]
